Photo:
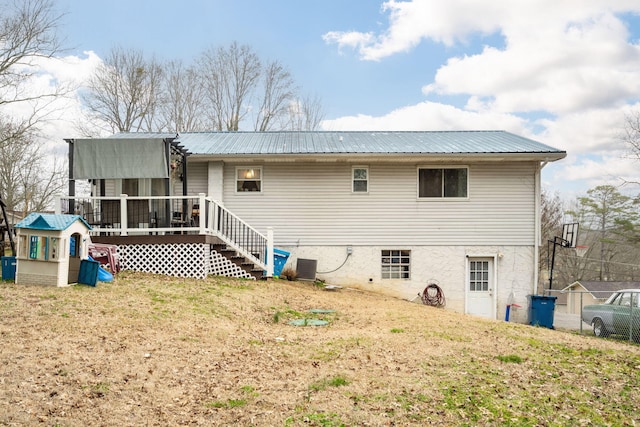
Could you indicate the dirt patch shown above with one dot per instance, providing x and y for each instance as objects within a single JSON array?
[{"x": 152, "y": 350}]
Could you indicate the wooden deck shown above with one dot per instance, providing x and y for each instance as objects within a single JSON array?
[{"x": 157, "y": 239}]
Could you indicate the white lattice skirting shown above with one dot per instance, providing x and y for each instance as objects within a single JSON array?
[{"x": 179, "y": 260}]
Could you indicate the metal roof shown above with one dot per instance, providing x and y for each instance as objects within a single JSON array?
[
  {"x": 602, "y": 289},
  {"x": 355, "y": 142}
]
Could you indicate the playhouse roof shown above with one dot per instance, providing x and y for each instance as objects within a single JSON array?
[{"x": 54, "y": 222}]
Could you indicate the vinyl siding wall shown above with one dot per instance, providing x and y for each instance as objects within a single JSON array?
[
  {"x": 312, "y": 204},
  {"x": 197, "y": 180}
]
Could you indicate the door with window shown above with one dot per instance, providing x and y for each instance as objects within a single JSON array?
[{"x": 480, "y": 287}]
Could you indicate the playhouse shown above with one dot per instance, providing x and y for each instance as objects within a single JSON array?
[{"x": 51, "y": 248}]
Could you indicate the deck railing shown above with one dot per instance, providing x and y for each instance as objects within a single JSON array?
[{"x": 157, "y": 215}]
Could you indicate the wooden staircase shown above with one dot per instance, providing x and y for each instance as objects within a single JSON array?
[{"x": 241, "y": 261}]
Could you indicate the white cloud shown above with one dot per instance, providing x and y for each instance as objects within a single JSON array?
[
  {"x": 571, "y": 62},
  {"x": 60, "y": 115},
  {"x": 564, "y": 70},
  {"x": 430, "y": 116}
]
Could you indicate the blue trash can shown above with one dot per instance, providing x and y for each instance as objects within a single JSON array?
[
  {"x": 8, "y": 268},
  {"x": 541, "y": 309},
  {"x": 88, "y": 274}
]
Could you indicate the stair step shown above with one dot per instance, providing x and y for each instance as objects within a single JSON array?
[{"x": 239, "y": 260}]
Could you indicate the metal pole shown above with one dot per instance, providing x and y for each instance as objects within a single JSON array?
[
  {"x": 553, "y": 260},
  {"x": 581, "y": 305}
]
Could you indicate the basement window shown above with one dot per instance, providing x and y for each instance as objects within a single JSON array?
[
  {"x": 396, "y": 264},
  {"x": 248, "y": 179}
]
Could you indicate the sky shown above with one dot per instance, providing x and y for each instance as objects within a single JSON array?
[{"x": 564, "y": 73}]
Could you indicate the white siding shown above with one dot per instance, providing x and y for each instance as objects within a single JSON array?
[
  {"x": 110, "y": 187},
  {"x": 196, "y": 179},
  {"x": 445, "y": 266},
  {"x": 312, "y": 204}
]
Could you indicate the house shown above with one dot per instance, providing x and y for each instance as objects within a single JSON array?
[
  {"x": 50, "y": 248},
  {"x": 389, "y": 212},
  {"x": 586, "y": 292}
]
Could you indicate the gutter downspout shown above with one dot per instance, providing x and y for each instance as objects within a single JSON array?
[{"x": 538, "y": 231}]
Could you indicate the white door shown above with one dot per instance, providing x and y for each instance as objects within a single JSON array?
[{"x": 480, "y": 284}]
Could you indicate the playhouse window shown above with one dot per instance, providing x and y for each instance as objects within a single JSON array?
[
  {"x": 443, "y": 182},
  {"x": 23, "y": 246},
  {"x": 39, "y": 247},
  {"x": 360, "y": 175},
  {"x": 53, "y": 248},
  {"x": 396, "y": 264},
  {"x": 248, "y": 179}
]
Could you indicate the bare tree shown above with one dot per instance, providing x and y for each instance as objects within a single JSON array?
[
  {"x": 631, "y": 135},
  {"x": 27, "y": 33},
  {"x": 125, "y": 91},
  {"x": 27, "y": 182},
  {"x": 278, "y": 93},
  {"x": 182, "y": 99},
  {"x": 231, "y": 76},
  {"x": 551, "y": 211},
  {"x": 227, "y": 88},
  {"x": 306, "y": 113}
]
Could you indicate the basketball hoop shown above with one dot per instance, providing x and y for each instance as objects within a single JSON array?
[{"x": 581, "y": 250}]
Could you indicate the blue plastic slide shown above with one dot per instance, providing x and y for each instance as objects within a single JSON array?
[{"x": 103, "y": 275}]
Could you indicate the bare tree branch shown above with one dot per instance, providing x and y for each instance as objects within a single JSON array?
[
  {"x": 306, "y": 113},
  {"x": 278, "y": 91},
  {"x": 27, "y": 32},
  {"x": 230, "y": 76},
  {"x": 183, "y": 100},
  {"x": 125, "y": 90}
]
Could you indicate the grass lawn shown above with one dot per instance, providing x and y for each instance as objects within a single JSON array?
[{"x": 159, "y": 351}]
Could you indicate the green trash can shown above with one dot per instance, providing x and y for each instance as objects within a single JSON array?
[
  {"x": 541, "y": 309},
  {"x": 8, "y": 268}
]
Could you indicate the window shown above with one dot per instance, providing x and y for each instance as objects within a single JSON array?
[
  {"x": 130, "y": 186},
  {"x": 360, "y": 177},
  {"x": 54, "y": 248},
  {"x": 478, "y": 276},
  {"x": 442, "y": 182},
  {"x": 248, "y": 179},
  {"x": 625, "y": 300},
  {"x": 396, "y": 264}
]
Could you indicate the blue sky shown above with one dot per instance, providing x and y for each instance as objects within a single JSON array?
[
  {"x": 563, "y": 73},
  {"x": 286, "y": 30}
]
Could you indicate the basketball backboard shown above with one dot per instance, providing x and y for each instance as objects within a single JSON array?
[{"x": 570, "y": 235}]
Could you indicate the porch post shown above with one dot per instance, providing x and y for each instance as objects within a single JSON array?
[
  {"x": 72, "y": 181},
  {"x": 123, "y": 215},
  {"x": 57, "y": 204},
  {"x": 204, "y": 215},
  {"x": 269, "y": 252},
  {"x": 167, "y": 184}
]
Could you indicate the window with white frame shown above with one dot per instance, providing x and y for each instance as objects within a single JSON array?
[
  {"x": 396, "y": 264},
  {"x": 360, "y": 178},
  {"x": 478, "y": 276},
  {"x": 450, "y": 182},
  {"x": 248, "y": 179}
]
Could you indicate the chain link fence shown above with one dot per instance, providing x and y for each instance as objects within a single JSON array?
[{"x": 601, "y": 313}]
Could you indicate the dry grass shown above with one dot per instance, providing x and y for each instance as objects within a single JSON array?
[{"x": 152, "y": 350}]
